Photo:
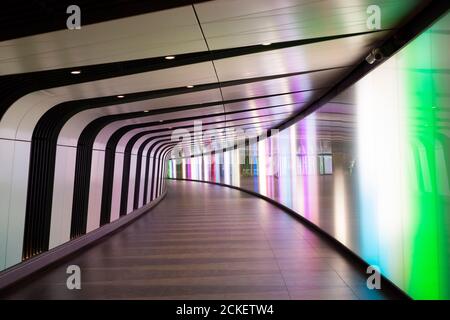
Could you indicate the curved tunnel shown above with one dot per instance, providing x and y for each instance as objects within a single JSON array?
[{"x": 92, "y": 121}]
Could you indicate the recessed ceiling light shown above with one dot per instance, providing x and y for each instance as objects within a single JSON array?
[
  {"x": 161, "y": 120},
  {"x": 190, "y": 86},
  {"x": 145, "y": 110},
  {"x": 266, "y": 43},
  {"x": 170, "y": 57},
  {"x": 75, "y": 71},
  {"x": 120, "y": 96}
]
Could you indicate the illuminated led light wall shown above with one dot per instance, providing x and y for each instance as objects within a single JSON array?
[
  {"x": 426, "y": 123},
  {"x": 403, "y": 150},
  {"x": 371, "y": 167}
]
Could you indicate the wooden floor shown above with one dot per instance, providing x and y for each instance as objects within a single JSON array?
[{"x": 207, "y": 242}]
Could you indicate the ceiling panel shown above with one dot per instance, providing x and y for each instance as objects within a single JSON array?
[
  {"x": 266, "y": 111},
  {"x": 329, "y": 54},
  {"x": 304, "y": 82},
  {"x": 249, "y": 118},
  {"x": 283, "y": 99},
  {"x": 235, "y": 23},
  {"x": 161, "y": 33},
  {"x": 193, "y": 74},
  {"x": 174, "y": 101}
]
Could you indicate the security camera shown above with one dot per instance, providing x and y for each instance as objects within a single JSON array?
[{"x": 374, "y": 55}]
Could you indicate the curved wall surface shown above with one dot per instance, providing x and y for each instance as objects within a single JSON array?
[
  {"x": 68, "y": 159},
  {"x": 371, "y": 167}
]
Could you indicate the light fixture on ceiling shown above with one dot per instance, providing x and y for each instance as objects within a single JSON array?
[
  {"x": 120, "y": 96},
  {"x": 161, "y": 120},
  {"x": 169, "y": 57},
  {"x": 266, "y": 43},
  {"x": 75, "y": 71},
  {"x": 145, "y": 111},
  {"x": 190, "y": 86}
]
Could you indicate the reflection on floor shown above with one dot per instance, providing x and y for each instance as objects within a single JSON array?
[{"x": 207, "y": 242}]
